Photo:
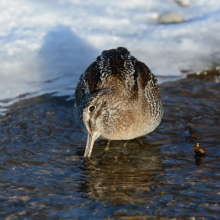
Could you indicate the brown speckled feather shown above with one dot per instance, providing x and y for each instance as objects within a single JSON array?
[{"x": 114, "y": 66}]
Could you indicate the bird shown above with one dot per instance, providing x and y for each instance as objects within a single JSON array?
[{"x": 117, "y": 98}]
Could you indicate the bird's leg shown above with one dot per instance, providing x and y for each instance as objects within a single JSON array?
[
  {"x": 140, "y": 141},
  {"x": 107, "y": 146},
  {"x": 125, "y": 144}
]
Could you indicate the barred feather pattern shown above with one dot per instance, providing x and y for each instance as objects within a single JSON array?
[{"x": 131, "y": 85}]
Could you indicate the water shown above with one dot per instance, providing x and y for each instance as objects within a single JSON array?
[{"x": 43, "y": 174}]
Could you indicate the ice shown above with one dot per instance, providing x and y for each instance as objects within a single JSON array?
[{"x": 46, "y": 45}]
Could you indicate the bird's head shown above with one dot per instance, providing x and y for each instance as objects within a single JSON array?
[{"x": 95, "y": 116}]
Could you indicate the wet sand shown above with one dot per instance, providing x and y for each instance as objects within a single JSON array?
[{"x": 43, "y": 174}]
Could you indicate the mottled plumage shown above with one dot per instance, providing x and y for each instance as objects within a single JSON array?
[{"x": 118, "y": 98}]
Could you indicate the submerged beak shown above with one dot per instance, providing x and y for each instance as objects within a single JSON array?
[{"x": 90, "y": 142}]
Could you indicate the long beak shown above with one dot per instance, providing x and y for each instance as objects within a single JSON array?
[{"x": 90, "y": 142}]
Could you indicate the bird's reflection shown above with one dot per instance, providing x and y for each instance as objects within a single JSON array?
[{"x": 123, "y": 173}]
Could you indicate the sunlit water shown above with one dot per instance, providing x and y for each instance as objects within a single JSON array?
[{"x": 43, "y": 174}]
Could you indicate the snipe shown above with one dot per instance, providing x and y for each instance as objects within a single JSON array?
[{"x": 117, "y": 98}]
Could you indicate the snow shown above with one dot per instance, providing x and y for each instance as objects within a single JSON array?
[{"x": 46, "y": 45}]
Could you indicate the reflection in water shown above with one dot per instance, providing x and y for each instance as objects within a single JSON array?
[{"x": 123, "y": 173}]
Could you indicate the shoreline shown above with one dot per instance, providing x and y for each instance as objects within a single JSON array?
[{"x": 206, "y": 75}]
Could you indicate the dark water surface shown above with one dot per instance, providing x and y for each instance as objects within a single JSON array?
[{"x": 43, "y": 174}]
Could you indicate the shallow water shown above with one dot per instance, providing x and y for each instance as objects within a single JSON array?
[{"x": 43, "y": 174}]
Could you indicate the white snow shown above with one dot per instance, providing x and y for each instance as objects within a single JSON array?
[{"x": 46, "y": 45}]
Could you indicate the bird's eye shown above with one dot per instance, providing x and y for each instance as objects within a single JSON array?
[{"x": 92, "y": 108}]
